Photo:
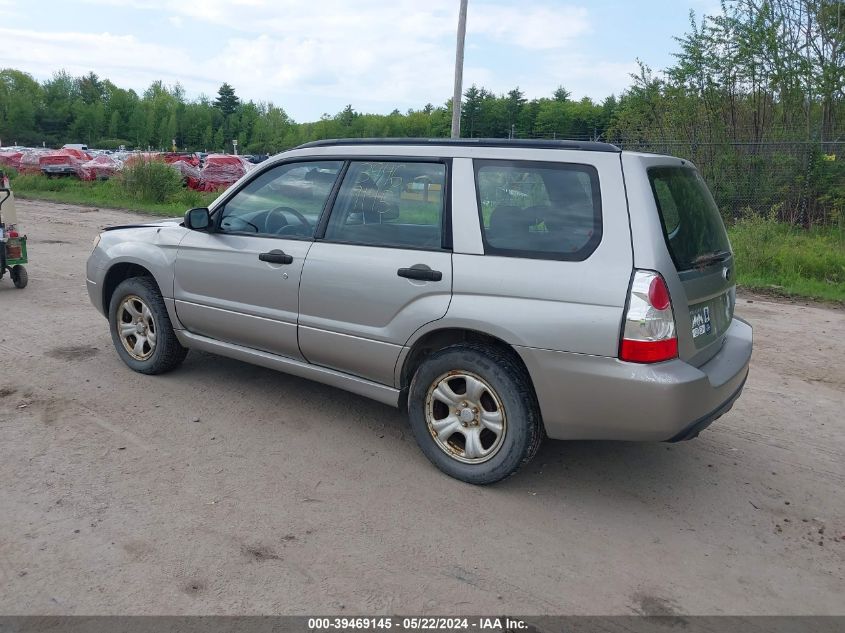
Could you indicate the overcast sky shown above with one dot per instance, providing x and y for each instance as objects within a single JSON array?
[{"x": 315, "y": 56}]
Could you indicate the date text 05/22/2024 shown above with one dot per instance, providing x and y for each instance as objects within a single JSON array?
[{"x": 416, "y": 624}]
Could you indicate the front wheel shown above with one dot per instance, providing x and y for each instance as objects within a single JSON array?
[
  {"x": 19, "y": 276},
  {"x": 474, "y": 414},
  {"x": 140, "y": 328}
]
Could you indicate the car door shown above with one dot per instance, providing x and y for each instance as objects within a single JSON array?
[
  {"x": 381, "y": 269},
  {"x": 239, "y": 281}
]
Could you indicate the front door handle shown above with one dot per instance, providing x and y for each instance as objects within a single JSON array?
[
  {"x": 276, "y": 257},
  {"x": 420, "y": 271}
]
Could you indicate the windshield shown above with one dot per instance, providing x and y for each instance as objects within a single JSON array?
[{"x": 691, "y": 222}]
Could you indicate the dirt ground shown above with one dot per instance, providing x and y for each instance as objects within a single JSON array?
[{"x": 291, "y": 497}]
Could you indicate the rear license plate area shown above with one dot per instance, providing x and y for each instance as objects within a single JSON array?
[{"x": 710, "y": 319}]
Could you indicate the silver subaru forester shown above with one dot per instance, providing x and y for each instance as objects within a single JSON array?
[{"x": 499, "y": 290}]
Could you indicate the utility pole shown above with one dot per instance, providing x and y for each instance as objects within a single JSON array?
[{"x": 459, "y": 71}]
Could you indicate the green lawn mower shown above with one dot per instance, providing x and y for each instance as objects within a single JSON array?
[{"x": 12, "y": 243}]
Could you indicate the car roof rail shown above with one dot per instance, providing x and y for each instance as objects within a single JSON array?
[{"x": 586, "y": 146}]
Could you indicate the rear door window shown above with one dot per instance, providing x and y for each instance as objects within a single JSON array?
[
  {"x": 394, "y": 204},
  {"x": 694, "y": 231},
  {"x": 539, "y": 210}
]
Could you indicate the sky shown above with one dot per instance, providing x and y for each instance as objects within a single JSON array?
[{"x": 312, "y": 57}]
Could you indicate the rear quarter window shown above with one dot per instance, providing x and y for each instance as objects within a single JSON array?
[{"x": 539, "y": 210}]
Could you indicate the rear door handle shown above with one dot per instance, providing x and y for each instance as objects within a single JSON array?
[
  {"x": 276, "y": 257},
  {"x": 420, "y": 271}
]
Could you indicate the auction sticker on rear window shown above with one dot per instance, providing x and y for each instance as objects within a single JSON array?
[{"x": 700, "y": 321}]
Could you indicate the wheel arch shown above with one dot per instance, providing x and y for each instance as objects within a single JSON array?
[
  {"x": 435, "y": 340},
  {"x": 119, "y": 272}
]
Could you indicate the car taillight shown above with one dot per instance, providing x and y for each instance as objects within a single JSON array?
[{"x": 648, "y": 335}]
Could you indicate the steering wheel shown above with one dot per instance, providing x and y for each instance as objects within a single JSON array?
[{"x": 276, "y": 222}]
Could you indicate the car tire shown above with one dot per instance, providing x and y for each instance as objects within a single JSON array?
[
  {"x": 19, "y": 276},
  {"x": 153, "y": 348},
  {"x": 457, "y": 444}
]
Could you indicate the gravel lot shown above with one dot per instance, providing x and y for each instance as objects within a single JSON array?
[{"x": 291, "y": 497}]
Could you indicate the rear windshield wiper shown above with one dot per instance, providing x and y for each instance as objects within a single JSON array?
[{"x": 711, "y": 258}]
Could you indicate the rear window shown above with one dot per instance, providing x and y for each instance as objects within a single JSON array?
[
  {"x": 539, "y": 210},
  {"x": 691, "y": 222}
]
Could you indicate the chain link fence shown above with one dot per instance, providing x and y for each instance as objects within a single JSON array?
[{"x": 800, "y": 182}]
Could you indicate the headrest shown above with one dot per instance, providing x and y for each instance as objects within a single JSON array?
[{"x": 508, "y": 218}]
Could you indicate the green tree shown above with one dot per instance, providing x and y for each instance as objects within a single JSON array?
[
  {"x": 562, "y": 94},
  {"x": 219, "y": 142},
  {"x": 116, "y": 125},
  {"x": 347, "y": 116},
  {"x": 90, "y": 89},
  {"x": 513, "y": 106},
  {"x": 227, "y": 102},
  {"x": 471, "y": 111},
  {"x": 21, "y": 98},
  {"x": 60, "y": 92}
]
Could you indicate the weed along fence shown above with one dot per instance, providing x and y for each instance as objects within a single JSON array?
[{"x": 216, "y": 172}]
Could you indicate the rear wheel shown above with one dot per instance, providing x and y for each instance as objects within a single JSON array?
[
  {"x": 474, "y": 414},
  {"x": 140, "y": 328},
  {"x": 19, "y": 276}
]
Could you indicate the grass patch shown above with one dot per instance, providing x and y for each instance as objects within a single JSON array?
[
  {"x": 150, "y": 181},
  {"x": 778, "y": 258},
  {"x": 108, "y": 194}
]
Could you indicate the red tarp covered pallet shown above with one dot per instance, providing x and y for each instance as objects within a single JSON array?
[
  {"x": 11, "y": 159},
  {"x": 222, "y": 170},
  {"x": 63, "y": 162},
  {"x": 30, "y": 161},
  {"x": 100, "y": 167}
]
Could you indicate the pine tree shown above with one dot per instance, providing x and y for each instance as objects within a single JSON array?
[
  {"x": 513, "y": 105},
  {"x": 227, "y": 102},
  {"x": 347, "y": 116},
  {"x": 471, "y": 111},
  {"x": 561, "y": 94}
]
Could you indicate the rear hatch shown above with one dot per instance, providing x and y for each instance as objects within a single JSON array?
[{"x": 701, "y": 252}]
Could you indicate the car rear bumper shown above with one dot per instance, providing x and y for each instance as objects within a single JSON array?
[
  {"x": 692, "y": 430},
  {"x": 595, "y": 397}
]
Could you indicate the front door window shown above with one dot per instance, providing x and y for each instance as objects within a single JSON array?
[{"x": 284, "y": 201}]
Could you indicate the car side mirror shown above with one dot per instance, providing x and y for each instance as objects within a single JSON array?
[{"x": 198, "y": 219}]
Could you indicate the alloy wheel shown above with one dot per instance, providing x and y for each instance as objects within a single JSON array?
[
  {"x": 136, "y": 327},
  {"x": 465, "y": 417}
]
